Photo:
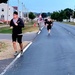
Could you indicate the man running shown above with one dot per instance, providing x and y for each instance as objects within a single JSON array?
[
  {"x": 45, "y": 21},
  {"x": 16, "y": 24},
  {"x": 49, "y": 25}
]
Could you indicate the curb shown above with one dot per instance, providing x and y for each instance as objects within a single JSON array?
[{"x": 19, "y": 55}]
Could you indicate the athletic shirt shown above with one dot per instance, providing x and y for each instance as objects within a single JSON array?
[
  {"x": 49, "y": 23},
  {"x": 17, "y": 29},
  {"x": 15, "y": 20}
]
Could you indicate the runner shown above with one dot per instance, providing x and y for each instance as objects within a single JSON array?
[
  {"x": 45, "y": 21},
  {"x": 49, "y": 26},
  {"x": 39, "y": 22},
  {"x": 16, "y": 24}
]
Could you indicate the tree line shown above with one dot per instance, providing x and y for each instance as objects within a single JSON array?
[
  {"x": 3, "y": 1},
  {"x": 63, "y": 14}
]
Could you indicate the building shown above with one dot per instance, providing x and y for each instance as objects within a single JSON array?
[{"x": 6, "y": 12}]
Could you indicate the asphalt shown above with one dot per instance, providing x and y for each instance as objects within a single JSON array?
[
  {"x": 48, "y": 55},
  {"x": 4, "y": 64}
]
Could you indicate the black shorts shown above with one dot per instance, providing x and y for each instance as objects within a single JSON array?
[
  {"x": 49, "y": 27},
  {"x": 17, "y": 38}
]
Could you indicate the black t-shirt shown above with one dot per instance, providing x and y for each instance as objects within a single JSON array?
[
  {"x": 45, "y": 21},
  {"x": 17, "y": 29},
  {"x": 49, "y": 23}
]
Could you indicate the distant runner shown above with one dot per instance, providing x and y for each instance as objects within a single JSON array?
[
  {"x": 49, "y": 24},
  {"x": 16, "y": 24},
  {"x": 45, "y": 21},
  {"x": 39, "y": 22}
]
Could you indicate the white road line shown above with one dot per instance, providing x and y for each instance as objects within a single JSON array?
[
  {"x": 27, "y": 46},
  {"x": 15, "y": 59},
  {"x": 41, "y": 30}
]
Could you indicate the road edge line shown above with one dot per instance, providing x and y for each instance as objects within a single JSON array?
[{"x": 40, "y": 31}]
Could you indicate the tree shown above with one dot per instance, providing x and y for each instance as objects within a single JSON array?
[
  {"x": 73, "y": 14},
  {"x": 48, "y": 14},
  {"x": 62, "y": 14},
  {"x": 69, "y": 12},
  {"x": 3, "y": 1},
  {"x": 31, "y": 15},
  {"x": 44, "y": 15},
  {"x": 55, "y": 15}
]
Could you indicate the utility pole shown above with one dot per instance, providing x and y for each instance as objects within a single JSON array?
[
  {"x": 7, "y": 11},
  {"x": 22, "y": 9},
  {"x": 18, "y": 7},
  {"x": 74, "y": 10}
]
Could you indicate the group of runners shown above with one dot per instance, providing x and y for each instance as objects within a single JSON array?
[
  {"x": 48, "y": 23},
  {"x": 16, "y": 24}
]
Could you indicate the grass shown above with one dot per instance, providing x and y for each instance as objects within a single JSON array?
[
  {"x": 5, "y": 30},
  {"x": 2, "y": 46},
  {"x": 1, "y": 24},
  {"x": 29, "y": 23},
  {"x": 30, "y": 29},
  {"x": 71, "y": 23},
  {"x": 26, "y": 29}
]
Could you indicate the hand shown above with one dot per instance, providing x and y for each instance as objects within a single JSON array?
[
  {"x": 51, "y": 24},
  {"x": 16, "y": 24},
  {"x": 11, "y": 27}
]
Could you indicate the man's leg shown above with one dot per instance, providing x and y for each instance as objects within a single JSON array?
[
  {"x": 20, "y": 42},
  {"x": 49, "y": 31},
  {"x": 21, "y": 46},
  {"x": 40, "y": 27},
  {"x": 15, "y": 46}
]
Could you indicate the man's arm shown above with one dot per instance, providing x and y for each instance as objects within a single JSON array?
[
  {"x": 11, "y": 25},
  {"x": 20, "y": 23}
]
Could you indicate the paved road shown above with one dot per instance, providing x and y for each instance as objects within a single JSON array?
[{"x": 49, "y": 55}]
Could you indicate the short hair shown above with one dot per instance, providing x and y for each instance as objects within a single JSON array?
[{"x": 15, "y": 12}]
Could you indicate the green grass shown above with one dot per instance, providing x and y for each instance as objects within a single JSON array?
[
  {"x": 71, "y": 23},
  {"x": 5, "y": 30},
  {"x": 30, "y": 29},
  {"x": 1, "y": 24},
  {"x": 26, "y": 29},
  {"x": 2, "y": 46},
  {"x": 29, "y": 23}
]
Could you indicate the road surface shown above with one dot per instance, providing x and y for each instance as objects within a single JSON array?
[{"x": 49, "y": 55}]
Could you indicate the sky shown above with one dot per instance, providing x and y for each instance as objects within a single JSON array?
[{"x": 44, "y": 5}]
